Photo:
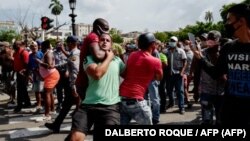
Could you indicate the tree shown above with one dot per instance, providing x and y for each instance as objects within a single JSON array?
[
  {"x": 117, "y": 38},
  {"x": 224, "y": 9},
  {"x": 209, "y": 16},
  {"x": 56, "y": 9},
  {"x": 9, "y": 35},
  {"x": 52, "y": 42},
  {"x": 197, "y": 29},
  {"x": 162, "y": 36},
  {"x": 113, "y": 31},
  {"x": 20, "y": 18}
]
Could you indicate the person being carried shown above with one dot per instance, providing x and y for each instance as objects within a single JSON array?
[{"x": 90, "y": 44}]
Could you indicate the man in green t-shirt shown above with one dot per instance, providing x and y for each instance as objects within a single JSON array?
[{"x": 101, "y": 104}]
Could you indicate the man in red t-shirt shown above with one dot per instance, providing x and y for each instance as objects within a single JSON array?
[
  {"x": 21, "y": 58},
  {"x": 90, "y": 45},
  {"x": 141, "y": 69}
]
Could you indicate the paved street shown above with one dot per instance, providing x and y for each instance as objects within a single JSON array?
[{"x": 24, "y": 127}]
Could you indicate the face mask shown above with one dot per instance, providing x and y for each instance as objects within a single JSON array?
[
  {"x": 172, "y": 44},
  {"x": 230, "y": 30}
]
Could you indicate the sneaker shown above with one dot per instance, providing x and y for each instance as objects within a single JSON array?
[
  {"x": 182, "y": 111},
  {"x": 53, "y": 112},
  {"x": 44, "y": 118},
  {"x": 11, "y": 104},
  {"x": 39, "y": 110},
  {"x": 52, "y": 127}
]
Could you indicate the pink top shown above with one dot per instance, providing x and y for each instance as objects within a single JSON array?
[
  {"x": 140, "y": 70},
  {"x": 44, "y": 72}
]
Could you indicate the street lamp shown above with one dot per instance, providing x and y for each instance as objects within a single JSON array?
[{"x": 72, "y": 6}]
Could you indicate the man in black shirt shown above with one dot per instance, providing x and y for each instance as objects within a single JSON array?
[{"x": 233, "y": 64}]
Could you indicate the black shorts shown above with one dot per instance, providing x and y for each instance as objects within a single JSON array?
[{"x": 97, "y": 115}]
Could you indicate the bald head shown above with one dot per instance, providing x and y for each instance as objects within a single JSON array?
[{"x": 100, "y": 26}]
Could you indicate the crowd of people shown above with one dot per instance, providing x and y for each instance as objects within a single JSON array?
[{"x": 112, "y": 84}]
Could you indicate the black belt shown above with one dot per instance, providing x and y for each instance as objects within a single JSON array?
[{"x": 131, "y": 99}]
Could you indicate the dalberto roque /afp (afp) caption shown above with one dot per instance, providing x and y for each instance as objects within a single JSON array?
[{"x": 172, "y": 132}]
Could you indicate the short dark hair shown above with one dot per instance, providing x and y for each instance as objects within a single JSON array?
[
  {"x": 241, "y": 11},
  {"x": 46, "y": 44}
]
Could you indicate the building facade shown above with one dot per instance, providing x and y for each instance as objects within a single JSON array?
[{"x": 8, "y": 25}]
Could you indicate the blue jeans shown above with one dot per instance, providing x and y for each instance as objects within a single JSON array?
[
  {"x": 137, "y": 110},
  {"x": 154, "y": 100},
  {"x": 176, "y": 81}
]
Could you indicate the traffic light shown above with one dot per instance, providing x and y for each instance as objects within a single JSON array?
[{"x": 46, "y": 23}]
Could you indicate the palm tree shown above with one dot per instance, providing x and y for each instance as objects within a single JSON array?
[
  {"x": 56, "y": 9},
  {"x": 209, "y": 16}
]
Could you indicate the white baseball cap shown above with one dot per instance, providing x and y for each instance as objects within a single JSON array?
[{"x": 174, "y": 38}]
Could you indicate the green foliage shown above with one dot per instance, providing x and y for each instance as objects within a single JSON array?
[
  {"x": 162, "y": 36},
  {"x": 117, "y": 38},
  {"x": 200, "y": 27},
  {"x": 9, "y": 35},
  {"x": 223, "y": 11},
  {"x": 56, "y": 7},
  {"x": 112, "y": 31},
  {"x": 52, "y": 42},
  {"x": 197, "y": 30}
]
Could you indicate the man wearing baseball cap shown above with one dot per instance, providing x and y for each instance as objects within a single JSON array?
[
  {"x": 71, "y": 96},
  {"x": 211, "y": 90},
  {"x": 141, "y": 69}
]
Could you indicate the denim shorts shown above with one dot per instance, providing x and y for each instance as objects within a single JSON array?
[{"x": 139, "y": 110}]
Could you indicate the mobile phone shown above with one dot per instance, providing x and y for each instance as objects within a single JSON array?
[{"x": 192, "y": 40}]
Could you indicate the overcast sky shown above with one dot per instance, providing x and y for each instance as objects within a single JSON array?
[{"x": 125, "y": 15}]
